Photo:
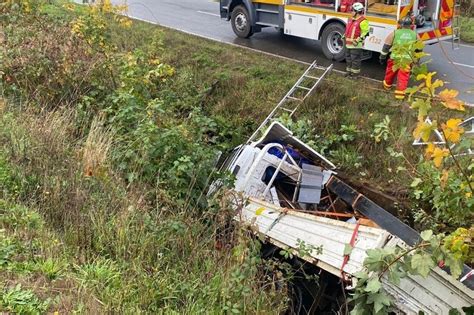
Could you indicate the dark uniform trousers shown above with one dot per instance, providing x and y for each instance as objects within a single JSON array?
[{"x": 353, "y": 60}]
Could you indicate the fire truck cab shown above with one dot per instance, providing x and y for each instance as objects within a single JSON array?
[{"x": 325, "y": 20}]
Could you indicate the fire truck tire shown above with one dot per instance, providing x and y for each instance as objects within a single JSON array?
[
  {"x": 332, "y": 42},
  {"x": 241, "y": 23}
]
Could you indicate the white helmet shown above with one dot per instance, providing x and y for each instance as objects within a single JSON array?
[{"x": 358, "y": 7}]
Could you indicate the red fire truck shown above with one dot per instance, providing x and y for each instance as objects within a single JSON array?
[{"x": 325, "y": 20}]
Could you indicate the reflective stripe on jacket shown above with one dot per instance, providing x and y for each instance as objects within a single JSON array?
[{"x": 356, "y": 31}]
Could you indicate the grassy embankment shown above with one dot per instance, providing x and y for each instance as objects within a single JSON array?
[
  {"x": 101, "y": 178},
  {"x": 467, "y": 29},
  {"x": 467, "y": 21}
]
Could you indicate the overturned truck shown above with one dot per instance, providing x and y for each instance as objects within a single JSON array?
[{"x": 294, "y": 194}]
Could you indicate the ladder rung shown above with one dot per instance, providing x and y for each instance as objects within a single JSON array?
[
  {"x": 311, "y": 77},
  {"x": 294, "y": 98},
  {"x": 286, "y": 109},
  {"x": 304, "y": 88}
]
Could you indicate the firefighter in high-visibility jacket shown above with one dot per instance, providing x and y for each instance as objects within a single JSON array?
[
  {"x": 357, "y": 30},
  {"x": 404, "y": 36}
]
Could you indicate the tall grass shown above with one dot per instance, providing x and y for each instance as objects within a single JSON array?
[{"x": 132, "y": 253}]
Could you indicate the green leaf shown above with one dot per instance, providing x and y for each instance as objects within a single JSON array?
[
  {"x": 415, "y": 182},
  {"x": 359, "y": 310},
  {"x": 361, "y": 275},
  {"x": 454, "y": 311},
  {"x": 418, "y": 193},
  {"x": 426, "y": 235},
  {"x": 401, "y": 168},
  {"x": 374, "y": 259},
  {"x": 422, "y": 264},
  {"x": 373, "y": 286},
  {"x": 412, "y": 90},
  {"x": 380, "y": 300},
  {"x": 394, "y": 276},
  {"x": 423, "y": 107},
  {"x": 455, "y": 266},
  {"x": 348, "y": 249}
]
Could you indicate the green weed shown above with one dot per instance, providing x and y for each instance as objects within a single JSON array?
[
  {"x": 8, "y": 249},
  {"x": 52, "y": 269},
  {"x": 99, "y": 274},
  {"x": 16, "y": 216},
  {"x": 20, "y": 301}
]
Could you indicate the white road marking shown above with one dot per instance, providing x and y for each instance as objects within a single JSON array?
[
  {"x": 463, "y": 65},
  {"x": 462, "y": 45},
  {"x": 209, "y": 13}
]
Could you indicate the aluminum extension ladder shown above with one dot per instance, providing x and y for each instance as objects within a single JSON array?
[
  {"x": 303, "y": 88},
  {"x": 456, "y": 37}
]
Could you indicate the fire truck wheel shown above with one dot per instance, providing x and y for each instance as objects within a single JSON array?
[
  {"x": 240, "y": 20},
  {"x": 332, "y": 42}
]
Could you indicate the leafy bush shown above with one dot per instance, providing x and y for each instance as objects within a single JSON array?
[{"x": 449, "y": 198}]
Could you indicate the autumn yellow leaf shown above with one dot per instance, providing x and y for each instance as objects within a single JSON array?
[
  {"x": 452, "y": 131},
  {"x": 449, "y": 100},
  {"x": 444, "y": 178},
  {"x": 429, "y": 150},
  {"x": 436, "y": 84},
  {"x": 259, "y": 210},
  {"x": 427, "y": 77},
  {"x": 438, "y": 156},
  {"x": 125, "y": 22},
  {"x": 423, "y": 130}
]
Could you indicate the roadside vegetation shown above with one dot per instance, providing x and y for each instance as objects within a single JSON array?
[
  {"x": 109, "y": 133},
  {"x": 467, "y": 21},
  {"x": 467, "y": 29}
]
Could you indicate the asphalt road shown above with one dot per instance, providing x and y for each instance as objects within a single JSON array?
[{"x": 201, "y": 17}]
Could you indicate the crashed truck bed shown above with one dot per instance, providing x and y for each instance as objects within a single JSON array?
[
  {"x": 436, "y": 294},
  {"x": 279, "y": 172}
]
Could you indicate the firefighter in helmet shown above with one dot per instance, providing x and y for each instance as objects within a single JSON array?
[
  {"x": 396, "y": 44},
  {"x": 357, "y": 30}
]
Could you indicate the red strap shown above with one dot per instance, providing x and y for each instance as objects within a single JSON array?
[{"x": 346, "y": 257}]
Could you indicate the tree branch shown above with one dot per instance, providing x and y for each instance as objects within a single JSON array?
[
  {"x": 456, "y": 162},
  {"x": 421, "y": 245}
]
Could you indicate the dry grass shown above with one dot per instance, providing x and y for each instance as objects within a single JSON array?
[{"x": 96, "y": 148}]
